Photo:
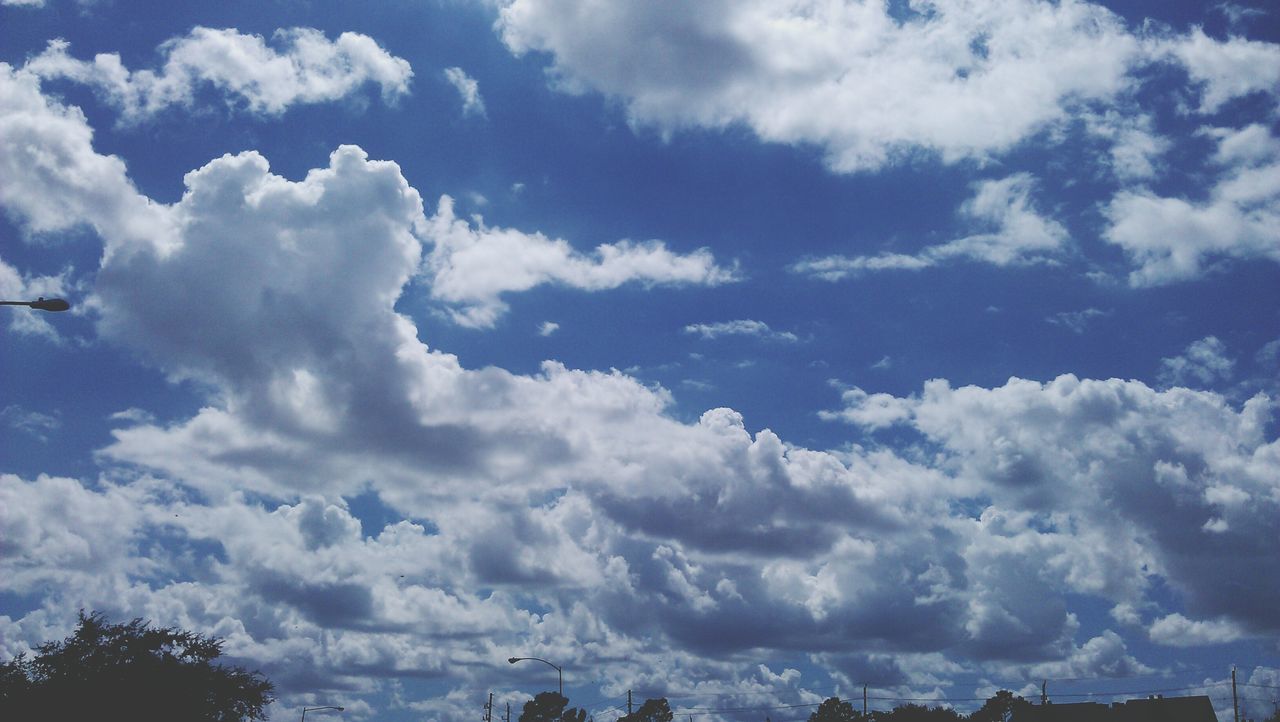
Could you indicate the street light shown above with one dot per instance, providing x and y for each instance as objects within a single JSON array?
[
  {"x": 559, "y": 671},
  {"x": 305, "y": 710},
  {"x": 42, "y": 303}
]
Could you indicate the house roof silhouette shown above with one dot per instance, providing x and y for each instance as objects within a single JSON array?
[{"x": 1150, "y": 709}]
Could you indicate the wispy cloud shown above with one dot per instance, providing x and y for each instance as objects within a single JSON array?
[
  {"x": 1012, "y": 232},
  {"x": 309, "y": 68},
  {"x": 1077, "y": 321},
  {"x": 741, "y": 327},
  {"x": 468, "y": 90}
]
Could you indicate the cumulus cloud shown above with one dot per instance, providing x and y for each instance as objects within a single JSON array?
[
  {"x": 741, "y": 327},
  {"x": 53, "y": 180},
  {"x": 1116, "y": 460},
  {"x": 1135, "y": 148},
  {"x": 1204, "y": 362},
  {"x": 1176, "y": 630},
  {"x": 471, "y": 265},
  {"x": 468, "y": 90},
  {"x": 569, "y": 511},
  {"x": 864, "y": 82},
  {"x": 1227, "y": 69},
  {"x": 307, "y": 68},
  {"x": 1173, "y": 239},
  {"x": 1014, "y": 233}
]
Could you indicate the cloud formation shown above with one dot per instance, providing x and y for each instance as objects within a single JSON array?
[
  {"x": 866, "y": 82},
  {"x": 308, "y": 68},
  {"x": 573, "y": 511},
  {"x": 1173, "y": 239},
  {"x": 470, "y": 267},
  {"x": 1013, "y": 233},
  {"x": 740, "y": 327},
  {"x": 468, "y": 90}
]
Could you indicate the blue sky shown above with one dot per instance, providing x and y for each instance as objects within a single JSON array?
[{"x": 739, "y": 352}]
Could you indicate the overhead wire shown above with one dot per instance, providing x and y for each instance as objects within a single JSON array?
[{"x": 702, "y": 711}]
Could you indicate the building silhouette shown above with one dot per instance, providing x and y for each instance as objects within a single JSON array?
[{"x": 1151, "y": 709}]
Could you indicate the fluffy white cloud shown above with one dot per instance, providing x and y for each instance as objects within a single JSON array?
[
  {"x": 470, "y": 266},
  {"x": 1135, "y": 148},
  {"x": 1174, "y": 239},
  {"x": 741, "y": 327},
  {"x": 51, "y": 178},
  {"x": 865, "y": 81},
  {"x": 1227, "y": 69},
  {"x": 1145, "y": 470},
  {"x": 1013, "y": 233},
  {"x": 468, "y": 90},
  {"x": 1176, "y": 630},
  {"x": 1204, "y": 362},
  {"x": 570, "y": 511},
  {"x": 308, "y": 68}
]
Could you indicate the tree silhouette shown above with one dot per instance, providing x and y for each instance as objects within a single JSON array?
[
  {"x": 130, "y": 671},
  {"x": 917, "y": 713},
  {"x": 551, "y": 707},
  {"x": 653, "y": 710},
  {"x": 1002, "y": 706},
  {"x": 835, "y": 710}
]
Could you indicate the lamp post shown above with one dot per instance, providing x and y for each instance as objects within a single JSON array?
[
  {"x": 42, "y": 303},
  {"x": 559, "y": 671},
  {"x": 305, "y": 710}
]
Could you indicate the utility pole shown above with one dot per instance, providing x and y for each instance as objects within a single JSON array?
[
  {"x": 864, "y": 701},
  {"x": 508, "y": 717},
  {"x": 488, "y": 709},
  {"x": 1235, "y": 701},
  {"x": 629, "y": 704},
  {"x": 1044, "y": 692}
]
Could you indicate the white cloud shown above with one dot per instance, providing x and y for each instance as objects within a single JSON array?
[
  {"x": 14, "y": 286},
  {"x": 1204, "y": 363},
  {"x": 1227, "y": 69},
  {"x": 568, "y": 511},
  {"x": 308, "y": 68},
  {"x": 1104, "y": 656},
  {"x": 741, "y": 327},
  {"x": 1077, "y": 321},
  {"x": 51, "y": 178},
  {"x": 468, "y": 90},
  {"x": 1175, "y": 630},
  {"x": 35, "y": 423},
  {"x": 1135, "y": 150},
  {"x": 1014, "y": 233},
  {"x": 1173, "y": 239},
  {"x": 547, "y": 328},
  {"x": 964, "y": 80},
  {"x": 471, "y": 266},
  {"x": 1116, "y": 461}
]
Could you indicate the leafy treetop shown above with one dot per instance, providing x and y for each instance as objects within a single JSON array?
[{"x": 130, "y": 671}]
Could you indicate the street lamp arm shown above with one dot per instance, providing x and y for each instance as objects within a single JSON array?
[
  {"x": 305, "y": 710},
  {"x": 556, "y": 667},
  {"x": 42, "y": 303}
]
